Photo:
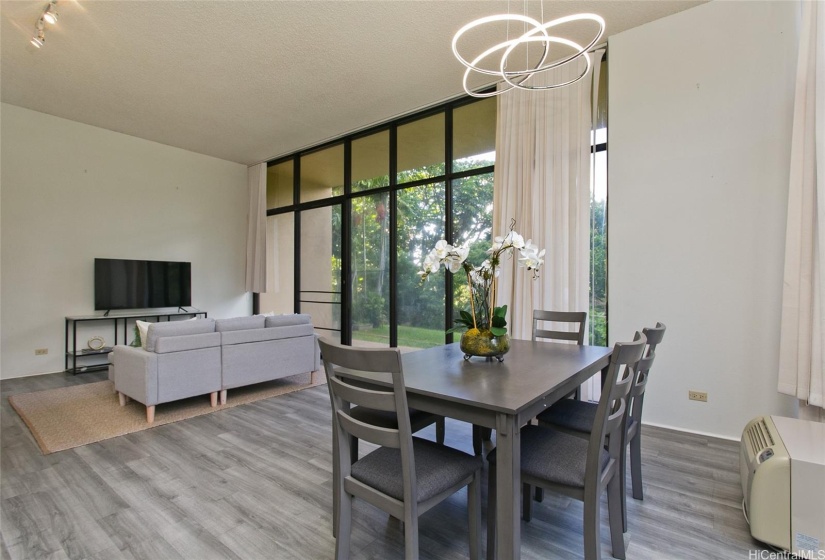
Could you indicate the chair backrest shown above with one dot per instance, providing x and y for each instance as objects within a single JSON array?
[
  {"x": 578, "y": 319},
  {"x": 345, "y": 392},
  {"x": 654, "y": 336},
  {"x": 613, "y": 405}
]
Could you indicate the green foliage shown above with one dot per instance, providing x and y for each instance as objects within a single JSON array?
[
  {"x": 370, "y": 308},
  {"x": 136, "y": 341},
  {"x": 498, "y": 321},
  {"x": 415, "y": 337},
  {"x": 463, "y": 322},
  {"x": 598, "y": 274}
]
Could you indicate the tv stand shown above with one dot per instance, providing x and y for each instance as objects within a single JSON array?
[{"x": 72, "y": 353}]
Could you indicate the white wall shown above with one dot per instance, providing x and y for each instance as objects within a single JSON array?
[
  {"x": 701, "y": 105},
  {"x": 72, "y": 192}
]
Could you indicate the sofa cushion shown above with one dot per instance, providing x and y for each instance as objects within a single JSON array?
[
  {"x": 240, "y": 323},
  {"x": 286, "y": 320},
  {"x": 261, "y": 335},
  {"x": 177, "y": 328},
  {"x": 185, "y": 342}
]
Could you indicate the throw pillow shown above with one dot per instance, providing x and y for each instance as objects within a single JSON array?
[{"x": 143, "y": 330}]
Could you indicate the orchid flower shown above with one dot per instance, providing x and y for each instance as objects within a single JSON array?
[{"x": 482, "y": 279}]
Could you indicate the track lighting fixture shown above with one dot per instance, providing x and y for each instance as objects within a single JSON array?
[
  {"x": 49, "y": 15},
  {"x": 39, "y": 38}
]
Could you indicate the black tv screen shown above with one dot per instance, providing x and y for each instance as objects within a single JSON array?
[{"x": 128, "y": 284}]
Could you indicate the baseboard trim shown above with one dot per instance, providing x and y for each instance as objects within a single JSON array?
[
  {"x": 31, "y": 375},
  {"x": 695, "y": 432}
]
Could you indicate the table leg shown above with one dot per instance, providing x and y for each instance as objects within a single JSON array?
[{"x": 508, "y": 488}]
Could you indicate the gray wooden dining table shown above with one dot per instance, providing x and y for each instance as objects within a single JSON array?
[{"x": 503, "y": 396}]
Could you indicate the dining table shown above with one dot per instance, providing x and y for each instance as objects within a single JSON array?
[{"x": 503, "y": 396}]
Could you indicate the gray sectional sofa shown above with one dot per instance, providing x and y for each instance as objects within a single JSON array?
[{"x": 184, "y": 359}]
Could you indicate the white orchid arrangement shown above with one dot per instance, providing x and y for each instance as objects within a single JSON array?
[{"x": 481, "y": 280}]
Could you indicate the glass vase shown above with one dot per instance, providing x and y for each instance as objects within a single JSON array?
[{"x": 483, "y": 343}]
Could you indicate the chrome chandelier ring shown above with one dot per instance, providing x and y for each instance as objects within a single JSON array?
[
  {"x": 491, "y": 19},
  {"x": 529, "y": 73},
  {"x": 473, "y": 67},
  {"x": 539, "y": 34}
]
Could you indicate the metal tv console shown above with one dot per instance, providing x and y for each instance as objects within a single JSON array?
[{"x": 72, "y": 353}]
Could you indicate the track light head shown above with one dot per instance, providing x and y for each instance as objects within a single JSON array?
[
  {"x": 50, "y": 15},
  {"x": 39, "y": 40}
]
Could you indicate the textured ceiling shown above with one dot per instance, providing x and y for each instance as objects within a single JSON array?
[{"x": 248, "y": 81}]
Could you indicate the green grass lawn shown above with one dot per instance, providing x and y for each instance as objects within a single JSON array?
[{"x": 407, "y": 336}]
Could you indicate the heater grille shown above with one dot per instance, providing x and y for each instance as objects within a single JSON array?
[{"x": 759, "y": 437}]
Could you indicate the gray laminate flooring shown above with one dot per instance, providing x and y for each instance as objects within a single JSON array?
[{"x": 254, "y": 482}]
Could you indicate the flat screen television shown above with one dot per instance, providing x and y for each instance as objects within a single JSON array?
[{"x": 129, "y": 284}]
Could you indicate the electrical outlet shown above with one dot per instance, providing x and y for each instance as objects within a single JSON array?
[
  {"x": 41, "y": 351},
  {"x": 698, "y": 396}
]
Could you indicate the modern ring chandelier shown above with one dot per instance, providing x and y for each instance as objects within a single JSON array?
[{"x": 538, "y": 32}]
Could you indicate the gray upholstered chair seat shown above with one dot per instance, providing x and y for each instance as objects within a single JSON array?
[
  {"x": 387, "y": 419},
  {"x": 571, "y": 414},
  {"x": 577, "y": 416},
  {"x": 437, "y": 468},
  {"x": 569, "y": 456}
]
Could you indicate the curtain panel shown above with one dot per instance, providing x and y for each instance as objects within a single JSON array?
[
  {"x": 802, "y": 335},
  {"x": 542, "y": 181},
  {"x": 256, "y": 230}
]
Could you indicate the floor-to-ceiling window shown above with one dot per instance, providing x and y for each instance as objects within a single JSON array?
[
  {"x": 350, "y": 222},
  {"x": 359, "y": 214},
  {"x": 597, "y": 325}
]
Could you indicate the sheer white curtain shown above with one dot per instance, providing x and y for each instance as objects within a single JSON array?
[
  {"x": 542, "y": 181},
  {"x": 256, "y": 230},
  {"x": 802, "y": 337}
]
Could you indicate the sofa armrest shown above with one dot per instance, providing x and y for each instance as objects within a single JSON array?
[
  {"x": 136, "y": 374},
  {"x": 182, "y": 343}
]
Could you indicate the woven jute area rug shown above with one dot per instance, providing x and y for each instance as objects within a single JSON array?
[{"x": 69, "y": 417}]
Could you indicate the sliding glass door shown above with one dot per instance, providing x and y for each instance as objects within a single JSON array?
[{"x": 370, "y": 270}]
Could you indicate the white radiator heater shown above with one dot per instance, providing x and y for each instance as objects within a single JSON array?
[{"x": 782, "y": 465}]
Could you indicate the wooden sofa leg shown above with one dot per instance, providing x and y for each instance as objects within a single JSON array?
[
  {"x": 122, "y": 398},
  {"x": 213, "y": 399},
  {"x": 150, "y": 414},
  {"x": 223, "y": 396}
]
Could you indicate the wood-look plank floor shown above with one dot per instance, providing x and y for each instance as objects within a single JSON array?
[{"x": 254, "y": 482}]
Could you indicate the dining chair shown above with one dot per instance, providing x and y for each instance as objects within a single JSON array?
[
  {"x": 579, "y": 468},
  {"x": 577, "y": 321},
  {"x": 577, "y": 417},
  {"x": 405, "y": 476},
  {"x": 418, "y": 421}
]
